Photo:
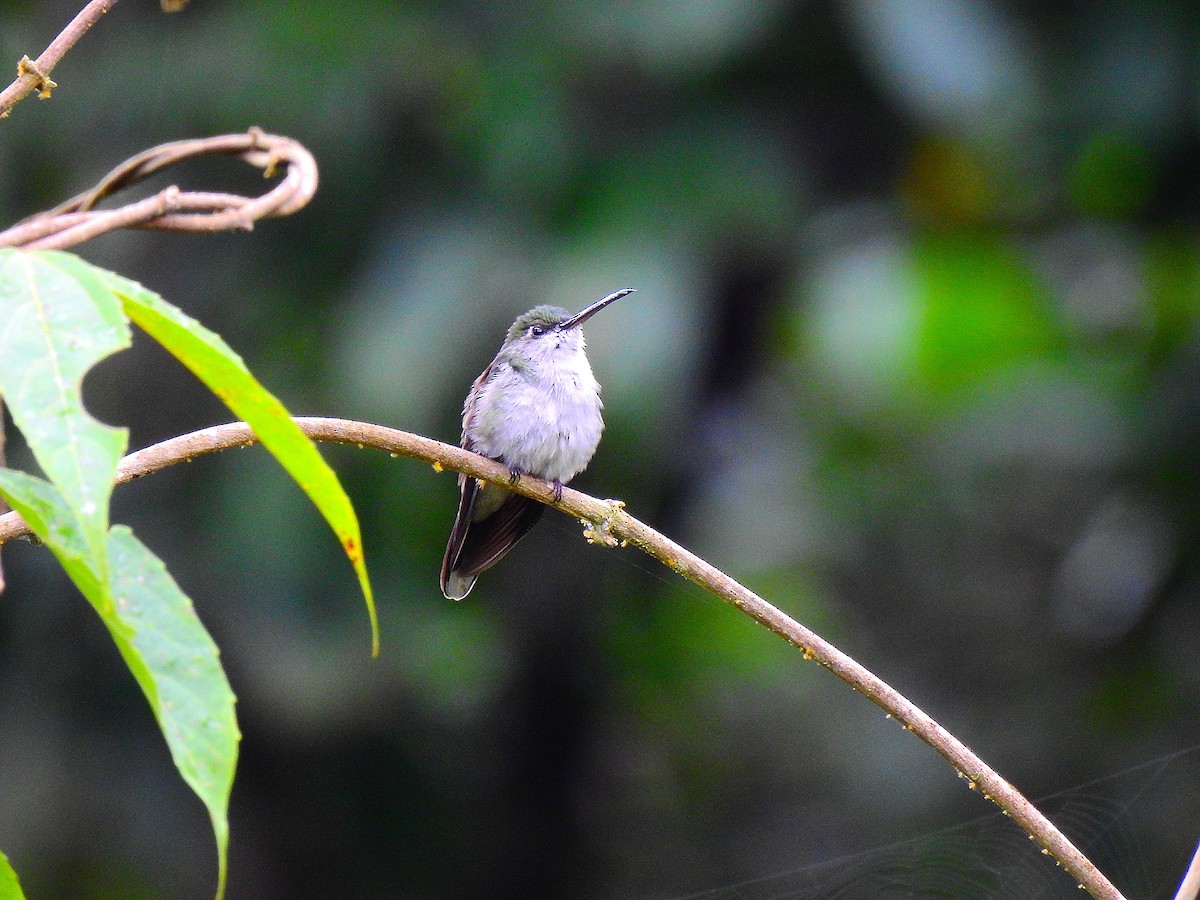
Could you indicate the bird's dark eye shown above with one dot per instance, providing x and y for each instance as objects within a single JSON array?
[{"x": 536, "y": 330}]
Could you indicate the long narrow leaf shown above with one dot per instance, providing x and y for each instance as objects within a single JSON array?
[
  {"x": 222, "y": 370},
  {"x": 10, "y": 887}
]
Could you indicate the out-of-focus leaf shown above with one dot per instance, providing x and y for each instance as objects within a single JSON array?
[
  {"x": 1113, "y": 176},
  {"x": 980, "y": 310},
  {"x": 1173, "y": 283},
  {"x": 224, "y": 373}
]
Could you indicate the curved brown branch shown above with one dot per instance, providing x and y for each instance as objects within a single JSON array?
[
  {"x": 1189, "y": 888},
  {"x": 608, "y": 523},
  {"x": 171, "y": 209},
  {"x": 33, "y": 74}
]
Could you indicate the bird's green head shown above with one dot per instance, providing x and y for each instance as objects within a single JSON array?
[{"x": 537, "y": 322}]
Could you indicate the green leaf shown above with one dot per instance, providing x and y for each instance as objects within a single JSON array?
[
  {"x": 10, "y": 887},
  {"x": 178, "y": 666},
  {"x": 58, "y": 319},
  {"x": 224, "y": 373},
  {"x": 161, "y": 640},
  {"x": 43, "y": 506}
]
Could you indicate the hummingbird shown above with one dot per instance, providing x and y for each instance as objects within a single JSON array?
[{"x": 536, "y": 409}]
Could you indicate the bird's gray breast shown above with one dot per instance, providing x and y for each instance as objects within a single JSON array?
[{"x": 545, "y": 421}]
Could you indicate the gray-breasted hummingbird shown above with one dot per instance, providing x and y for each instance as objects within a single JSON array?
[{"x": 536, "y": 409}]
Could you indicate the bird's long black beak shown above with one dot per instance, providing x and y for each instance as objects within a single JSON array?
[{"x": 583, "y": 315}]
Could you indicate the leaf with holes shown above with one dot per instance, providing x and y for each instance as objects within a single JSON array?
[{"x": 58, "y": 319}]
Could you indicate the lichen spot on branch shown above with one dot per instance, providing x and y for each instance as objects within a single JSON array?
[
  {"x": 601, "y": 532},
  {"x": 26, "y": 66}
]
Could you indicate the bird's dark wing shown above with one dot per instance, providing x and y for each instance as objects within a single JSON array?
[
  {"x": 475, "y": 547},
  {"x": 490, "y": 520},
  {"x": 453, "y": 586}
]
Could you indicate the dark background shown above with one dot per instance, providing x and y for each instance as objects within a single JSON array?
[{"x": 913, "y": 354}]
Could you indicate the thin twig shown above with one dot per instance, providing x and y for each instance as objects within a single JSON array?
[
  {"x": 1189, "y": 888},
  {"x": 608, "y": 523},
  {"x": 171, "y": 209},
  {"x": 33, "y": 75}
]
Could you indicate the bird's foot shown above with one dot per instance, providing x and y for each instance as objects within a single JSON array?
[
  {"x": 514, "y": 474},
  {"x": 557, "y": 486}
]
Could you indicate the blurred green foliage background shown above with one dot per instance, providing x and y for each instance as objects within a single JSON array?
[{"x": 914, "y": 355}]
